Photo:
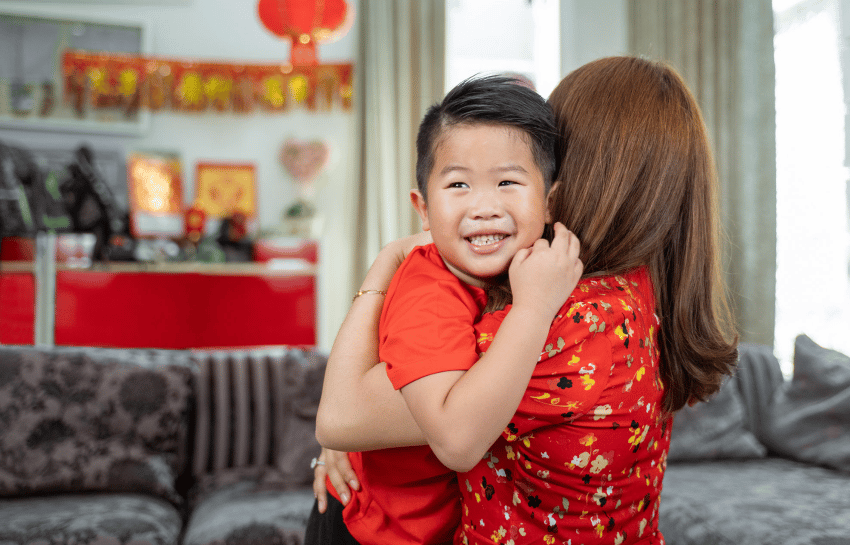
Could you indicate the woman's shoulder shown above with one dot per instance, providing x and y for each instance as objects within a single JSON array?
[
  {"x": 596, "y": 304},
  {"x": 601, "y": 303},
  {"x": 632, "y": 283},
  {"x": 626, "y": 290}
]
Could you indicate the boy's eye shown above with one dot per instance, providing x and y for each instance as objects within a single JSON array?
[
  {"x": 460, "y": 185},
  {"x": 507, "y": 182}
]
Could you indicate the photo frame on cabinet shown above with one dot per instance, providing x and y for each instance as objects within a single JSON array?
[
  {"x": 155, "y": 188},
  {"x": 34, "y": 92},
  {"x": 224, "y": 189}
]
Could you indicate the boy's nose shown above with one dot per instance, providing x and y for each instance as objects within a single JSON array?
[{"x": 486, "y": 206}]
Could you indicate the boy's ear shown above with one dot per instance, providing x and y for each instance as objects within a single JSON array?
[
  {"x": 547, "y": 217},
  {"x": 418, "y": 200}
]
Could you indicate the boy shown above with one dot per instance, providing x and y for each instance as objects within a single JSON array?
[{"x": 485, "y": 159}]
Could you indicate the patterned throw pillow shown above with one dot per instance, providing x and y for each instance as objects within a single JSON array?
[
  {"x": 811, "y": 415},
  {"x": 78, "y": 420}
]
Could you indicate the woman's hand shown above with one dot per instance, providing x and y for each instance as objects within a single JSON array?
[
  {"x": 544, "y": 275},
  {"x": 403, "y": 246},
  {"x": 336, "y": 466}
]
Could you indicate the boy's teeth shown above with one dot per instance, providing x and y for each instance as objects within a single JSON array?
[{"x": 483, "y": 240}]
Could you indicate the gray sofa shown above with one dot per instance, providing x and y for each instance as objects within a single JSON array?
[
  {"x": 194, "y": 448},
  {"x": 767, "y": 460},
  {"x": 105, "y": 446}
]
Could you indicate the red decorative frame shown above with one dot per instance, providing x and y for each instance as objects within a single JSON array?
[
  {"x": 222, "y": 189},
  {"x": 155, "y": 187}
]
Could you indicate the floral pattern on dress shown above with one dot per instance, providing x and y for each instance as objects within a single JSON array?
[{"x": 583, "y": 459}]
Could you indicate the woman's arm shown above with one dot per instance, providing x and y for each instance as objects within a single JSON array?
[
  {"x": 359, "y": 408},
  {"x": 463, "y": 413}
]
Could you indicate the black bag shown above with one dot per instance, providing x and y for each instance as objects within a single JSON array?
[
  {"x": 90, "y": 203},
  {"x": 17, "y": 171},
  {"x": 30, "y": 199}
]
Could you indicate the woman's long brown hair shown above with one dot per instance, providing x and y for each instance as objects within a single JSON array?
[{"x": 637, "y": 185}]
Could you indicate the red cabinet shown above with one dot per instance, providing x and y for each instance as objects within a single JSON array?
[
  {"x": 177, "y": 305},
  {"x": 17, "y": 306}
]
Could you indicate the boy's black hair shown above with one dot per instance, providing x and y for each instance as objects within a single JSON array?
[{"x": 490, "y": 100}]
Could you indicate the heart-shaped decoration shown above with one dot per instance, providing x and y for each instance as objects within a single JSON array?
[{"x": 304, "y": 160}]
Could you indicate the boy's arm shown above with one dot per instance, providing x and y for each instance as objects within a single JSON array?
[
  {"x": 463, "y": 413},
  {"x": 360, "y": 409}
]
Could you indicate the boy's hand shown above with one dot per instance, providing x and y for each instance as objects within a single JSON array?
[{"x": 543, "y": 276}]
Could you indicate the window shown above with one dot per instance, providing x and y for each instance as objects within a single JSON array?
[
  {"x": 32, "y": 94},
  {"x": 813, "y": 235},
  {"x": 499, "y": 36}
]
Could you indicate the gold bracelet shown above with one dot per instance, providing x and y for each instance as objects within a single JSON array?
[{"x": 361, "y": 292}]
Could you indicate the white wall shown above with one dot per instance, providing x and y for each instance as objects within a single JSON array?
[{"x": 226, "y": 30}]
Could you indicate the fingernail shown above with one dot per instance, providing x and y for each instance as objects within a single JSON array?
[
  {"x": 354, "y": 484},
  {"x": 344, "y": 498}
]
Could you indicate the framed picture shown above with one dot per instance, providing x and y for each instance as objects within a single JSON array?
[
  {"x": 155, "y": 188},
  {"x": 34, "y": 93},
  {"x": 223, "y": 189}
]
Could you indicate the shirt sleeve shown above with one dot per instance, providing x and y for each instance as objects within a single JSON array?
[
  {"x": 573, "y": 371},
  {"x": 428, "y": 329}
]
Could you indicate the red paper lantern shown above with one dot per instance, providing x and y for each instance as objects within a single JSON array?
[{"x": 305, "y": 23}]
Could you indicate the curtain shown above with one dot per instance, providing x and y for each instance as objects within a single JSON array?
[
  {"x": 724, "y": 51},
  {"x": 401, "y": 64},
  {"x": 399, "y": 72}
]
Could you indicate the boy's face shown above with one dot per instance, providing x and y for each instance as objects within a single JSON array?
[{"x": 486, "y": 200}]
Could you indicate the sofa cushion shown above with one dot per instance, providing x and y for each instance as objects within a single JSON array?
[
  {"x": 248, "y": 506},
  {"x": 810, "y": 416},
  {"x": 78, "y": 420},
  {"x": 715, "y": 429},
  {"x": 99, "y": 519},
  {"x": 767, "y": 501},
  {"x": 257, "y": 409},
  {"x": 758, "y": 377}
]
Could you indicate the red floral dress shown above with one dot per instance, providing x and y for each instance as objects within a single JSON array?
[{"x": 583, "y": 459}]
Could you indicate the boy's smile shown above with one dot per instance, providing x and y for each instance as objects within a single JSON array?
[{"x": 486, "y": 199}]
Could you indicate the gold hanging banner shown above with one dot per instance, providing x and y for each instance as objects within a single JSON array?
[{"x": 128, "y": 83}]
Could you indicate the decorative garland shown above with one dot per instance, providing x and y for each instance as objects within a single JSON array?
[{"x": 128, "y": 82}]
